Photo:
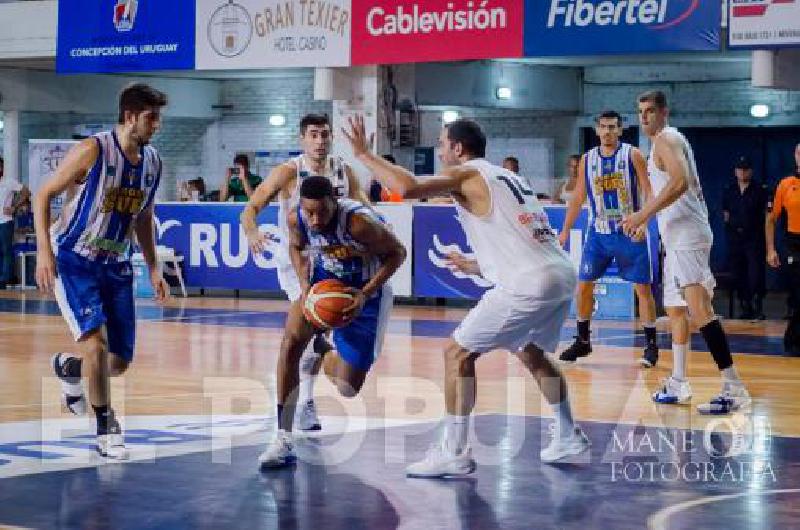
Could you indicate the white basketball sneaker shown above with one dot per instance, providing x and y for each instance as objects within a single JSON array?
[
  {"x": 673, "y": 392},
  {"x": 73, "y": 397},
  {"x": 561, "y": 448},
  {"x": 441, "y": 462},
  {"x": 306, "y": 418},
  {"x": 279, "y": 451},
  {"x": 112, "y": 444},
  {"x": 732, "y": 398}
]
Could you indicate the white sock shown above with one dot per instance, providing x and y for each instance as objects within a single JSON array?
[
  {"x": 562, "y": 413},
  {"x": 680, "y": 354},
  {"x": 456, "y": 433},
  {"x": 730, "y": 376},
  {"x": 308, "y": 361}
]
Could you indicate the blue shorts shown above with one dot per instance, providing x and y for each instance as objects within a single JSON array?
[
  {"x": 359, "y": 343},
  {"x": 633, "y": 258},
  {"x": 92, "y": 294}
]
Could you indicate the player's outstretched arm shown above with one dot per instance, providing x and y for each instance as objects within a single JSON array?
[
  {"x": 73, "y": 169},
  {"x": 397, "y": 178},
  {"x": 261, "y": 197}
]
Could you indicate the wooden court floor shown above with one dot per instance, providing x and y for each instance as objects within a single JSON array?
[
  {"x": 197, "y": 405},
  {"x": 199, "y": 348}
]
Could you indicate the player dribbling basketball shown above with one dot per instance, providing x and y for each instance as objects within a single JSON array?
[{"x": 348, "y": 242}]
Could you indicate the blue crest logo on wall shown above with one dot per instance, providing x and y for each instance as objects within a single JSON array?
[{"x": 125, "y": 14}]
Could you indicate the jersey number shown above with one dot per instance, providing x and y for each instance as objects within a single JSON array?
[{"x": 517, "y": 188}]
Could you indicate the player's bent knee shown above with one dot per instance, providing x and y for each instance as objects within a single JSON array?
[{"x": 118, "y": 366}]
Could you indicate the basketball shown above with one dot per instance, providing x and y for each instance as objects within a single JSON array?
[{"x": 325, "y": 302}]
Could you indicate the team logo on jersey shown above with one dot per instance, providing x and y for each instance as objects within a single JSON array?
[{"x": 125, "y": 14}]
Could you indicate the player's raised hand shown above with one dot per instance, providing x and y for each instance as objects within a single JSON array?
[{"x": 356, "y": 135}]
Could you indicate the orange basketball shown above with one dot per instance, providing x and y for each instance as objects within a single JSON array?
[{"x": 325, "y": 302}]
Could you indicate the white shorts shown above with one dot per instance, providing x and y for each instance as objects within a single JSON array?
[
  {"x": 511, "y": 322},
  {"x": 686, "y": 267},
  {"x": 287, "y": 277}
]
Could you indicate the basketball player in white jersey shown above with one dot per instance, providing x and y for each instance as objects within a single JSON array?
[
  {"x": 284, "y": 182},
  {"x": 533, "y": 284},
  {"x": 110, "y": 180},
  {"x": 614, "y": 176},
  {"x": 688, "y": 283}
]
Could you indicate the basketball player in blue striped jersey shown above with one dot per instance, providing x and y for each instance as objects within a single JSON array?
[
  {"x": 614, "y": 177},
  {"x": 283, "y": 183},
  {"x": 345, "y": 240},
  {"x": 110, "y": 181}
]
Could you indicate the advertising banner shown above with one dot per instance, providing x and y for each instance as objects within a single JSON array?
[
  {"x": 437, "y": 232},
  {"x": 125, "y": 35},
  {"x": 242, "y": 34},
  {"x": 763, "y": 23},
  {"x": 595, "y": 27},
  {"x": 401, "y": 31}
]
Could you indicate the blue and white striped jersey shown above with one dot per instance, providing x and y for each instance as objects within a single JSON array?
[
  {"x": 612, "y": 188},
  {"x": 334, "y": 253},
  {"x": 98, "y": 218}
]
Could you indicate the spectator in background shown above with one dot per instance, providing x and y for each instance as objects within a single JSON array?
[
  {"x": 565, "y": 191},
  {"x": 378, "y": 193},
  {"x": 239, "y": 181},
  {"x": 511, "y": 163},
  {"x": 787, "y": 198},
  {"x": 744, "y": 207},
  {"x": 192, "y": 190},
  {"x": 12, "y": 194}
]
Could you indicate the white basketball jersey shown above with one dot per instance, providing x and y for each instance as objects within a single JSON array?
[
  {"x": 683, "y": 225},
  {"x": 98, "y": 218},
  {"x": 514, "y": 245},
  {"x": 334, "y": 170}
]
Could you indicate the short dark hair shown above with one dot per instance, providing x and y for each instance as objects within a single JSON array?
[
  {"x": 654, "y": 96},
  {"x": 469, "y": 134},
  {"x": 316, "y": 188},
  {"x": 319, "y": 120},
  {"x": 574, "y": 157},
  {"x": 608, "y": 115},
  {"x": 512, "y": 159},
  {"x": 242, "y": 159},
  {"x": 390, "y": 159},
  {"x": 139, "y": 97}
]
